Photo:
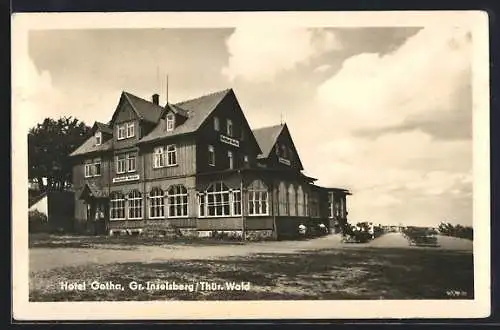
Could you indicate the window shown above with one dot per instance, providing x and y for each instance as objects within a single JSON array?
[
  {"x": 201, "y": 205},
  {"x": 245, "y": 159},
  {"x": 291, "y": 201},
  {"x": 257, "y": 198},
  {"x": 314, "y": 205},
  {"x": 156, "y": 204},
  {"x": 135, "y": 205},
  {"x": 236, "y": 202},
  {"x": 131, "y": 162},
  {"x": 331, "y": 206},
  {"x": 283, "y": 151},
  {"x": 117, "y": 207},
  {"x": 218, "y": 200},
  {"x": 171, "y": 155},
  {"x": 216, "y": 124},
  {"x": 97, "y": 167},
  {"x": 231, "y": 159},
  {"x": 88, "y": 170},
  {"x": 300, "y": 202},
  {"x": 211, "y": 156},
  {"x": 229, "y": 127},
  {"x": 170, "y": 122},
  {"x": 177, "y": 201},
  {"x": 130, "y": 130},
  {"x": 282, "y": 199},
  {"x": 98, "y": 138},
  {"x": 306, "y": 204},
  {"x": 121, "y": 132},
  {"x": 159, "y": 157},
  {"x": 121, "y": 163}
]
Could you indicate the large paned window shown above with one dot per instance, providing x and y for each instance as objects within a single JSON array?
[
  {"x": 282, "y": 199},
  {"x": 219, "y": 201},
  {"x": 135, "y": 205},
  {"x": 292, "y": 201},
  {"x": 258, "y": 203},
  {"x": 177, "y": 201},
  {"x": 117, "y": 206},
  {"x": 156, "y": 204},
  {"x": 300, "y": 201}
]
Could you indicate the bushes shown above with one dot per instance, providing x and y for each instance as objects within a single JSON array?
[
  {"x": 447, "y": 229},
  {"x": 38, "y": 222}
]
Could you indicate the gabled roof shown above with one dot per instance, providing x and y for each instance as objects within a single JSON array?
[
  {"x": 33, "y": 200},
  {"x": 102, "y": 127},
  {"x": 196, "y": 110},
  {"x": 146, "y": 110},
  {"x": 89, "y": 146},
  {"x": 266, "y": 137}
]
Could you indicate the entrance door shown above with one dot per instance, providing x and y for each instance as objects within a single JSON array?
[{"x": 100, "y": 217}]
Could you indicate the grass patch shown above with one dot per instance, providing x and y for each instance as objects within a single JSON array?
[{"x": 368, "y": 273}]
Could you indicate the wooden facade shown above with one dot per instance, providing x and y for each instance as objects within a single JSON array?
[{"x": 197, "y": 167}]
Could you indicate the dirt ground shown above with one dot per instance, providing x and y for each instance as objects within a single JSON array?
[{"x": 49, "y": 258}]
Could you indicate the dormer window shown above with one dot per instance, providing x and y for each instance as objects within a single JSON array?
[
  {"x": 98, "y": 138},
  {"x": 170, "y": 122},
  {"x": 229, "y": 127},
  {"x": 216, "y": 124}
]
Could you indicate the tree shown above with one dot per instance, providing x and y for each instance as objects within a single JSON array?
[{"x": 49, "y": 146}]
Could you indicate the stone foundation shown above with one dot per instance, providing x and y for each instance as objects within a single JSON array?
[{"x": 259, "y": 235}]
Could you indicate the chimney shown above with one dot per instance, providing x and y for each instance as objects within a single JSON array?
[{"x": 156, "y": 99}]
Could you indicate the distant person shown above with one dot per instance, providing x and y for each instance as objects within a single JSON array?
[{"x": 371, "y": 231}]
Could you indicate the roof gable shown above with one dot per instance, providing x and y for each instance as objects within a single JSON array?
[
  {"x": 195, "y": 110},
  {"x": 102, "y": 128},
  {"x": 144, "y": 110},
  {"x": 268, "y": 136}
]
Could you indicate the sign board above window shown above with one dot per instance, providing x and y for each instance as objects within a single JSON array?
[
  {"x": 230, "y": 141},
  {"x": 284, "y": 161},
  {"x": 126, "y": 178}
]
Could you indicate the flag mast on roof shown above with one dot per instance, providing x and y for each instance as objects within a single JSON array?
[{"x": 167, "y": 88}]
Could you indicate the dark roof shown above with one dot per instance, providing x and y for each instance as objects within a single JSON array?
[
  {"x": 102, "y": 127},
  {"x": 33, "y": 200},
  {"x": 266, "y": 137},
  {"x": 146, "y": 110},
  {"x": 91, "y": 190},
  {"x": 196, "y": 110},
  {"x": 177, "y": 110},
  {"x": 90, "y": 146}
]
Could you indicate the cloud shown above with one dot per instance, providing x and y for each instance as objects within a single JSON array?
[
  {"x": 322, "y": 68},
  {"x": 421, "y": 78},
  {"x": 258, "y": 54},
  {"x": 34, "y": 95}
]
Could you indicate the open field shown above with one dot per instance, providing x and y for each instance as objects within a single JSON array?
[{"x": 321, "y": 268}]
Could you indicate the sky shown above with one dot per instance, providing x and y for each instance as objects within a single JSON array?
[{"x": 384, "y": 112}]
